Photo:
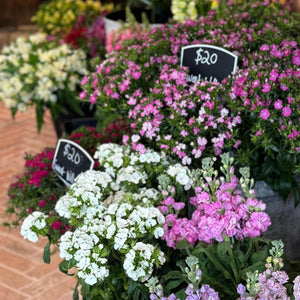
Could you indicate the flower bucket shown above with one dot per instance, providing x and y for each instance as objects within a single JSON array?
[
  {"x": 114, "y": 20},
  {"x": 284, "y": 217},
  {"x": 65, "y": 123}
]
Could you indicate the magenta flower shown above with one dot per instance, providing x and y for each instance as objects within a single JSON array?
[
  {"x": 266, "y": 88},
  {"x": 56, "y": 225},
  {"x": 42, "y": 203},
  {"x": 264, "y": 48},
  {"x": 278, "y": 104},
  {"x": 264, "y": 114},
  {"x": 286, "y": 111},
  {"x": 296, "y": 60}
]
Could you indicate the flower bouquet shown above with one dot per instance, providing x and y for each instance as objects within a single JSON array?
[
  {"x": 39, "y": 73},
  {"x": 130, "y": 230},
  {"x": 254, "y": 115}
]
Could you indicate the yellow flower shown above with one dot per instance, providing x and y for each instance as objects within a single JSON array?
[{"x": 214, "y": 4}]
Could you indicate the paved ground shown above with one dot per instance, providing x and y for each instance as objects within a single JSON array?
[{"x": 23, "y": 274}]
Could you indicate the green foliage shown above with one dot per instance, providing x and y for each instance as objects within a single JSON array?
[{"x": 224, "y": 265}]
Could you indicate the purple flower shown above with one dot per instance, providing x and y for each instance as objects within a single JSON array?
[{"x": 241, "y": 289}]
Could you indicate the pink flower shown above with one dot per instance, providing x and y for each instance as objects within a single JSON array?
[
  {"x": 84, "y": 80},
  {"x": 258, "y": 133},
  {"x": 294, "y": 134},
  {"x": 286, "y": 111},
  {"x": 56, "y": 225},
  {"x": 264, "y": 114},
  {"x": 264, "y": 48},
  {"x": 178, "y": 205},
  {"x": 278, "y": 104},
  {"x": 82, "y": 95},
  {"x": 93, "y": 98},
  {"x": 296, "y": 60},
  {"x": 42, "y": 203},
  {"x": 266, "y": 88}
]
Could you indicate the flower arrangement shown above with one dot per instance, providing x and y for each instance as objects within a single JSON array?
[
  {"x": 59, "y": 16},
  {"x": 36, "y": 72},
  {"x": 39, "y": 188},
  {"x": 190, "y": 120},
  {"x": 127, "y": 216}
]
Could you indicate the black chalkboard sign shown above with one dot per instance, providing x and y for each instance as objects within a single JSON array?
[
  {"x": 70, "y": 160},
  {"x": 207, "y": 62}
]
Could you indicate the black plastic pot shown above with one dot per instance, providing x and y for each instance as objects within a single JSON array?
[
  {"x": 65, "y": 123},
  {"x": 160, "y": 17}
]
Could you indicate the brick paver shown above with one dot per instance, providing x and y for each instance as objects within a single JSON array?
[{"x": 23, "y": 274}]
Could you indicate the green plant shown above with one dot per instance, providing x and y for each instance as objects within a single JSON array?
[
  {"x": 57, "y": 17},
  {"x": 37, "y": 72}
]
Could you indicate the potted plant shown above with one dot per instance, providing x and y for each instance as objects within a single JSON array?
[
  {"x": 79, "y": 23},
  {"x": 40, "y": 73},
  {"x": 130, "y": 230}
]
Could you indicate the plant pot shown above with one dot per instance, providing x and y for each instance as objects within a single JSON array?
[
  {"x": 114, "y": 20},
  {"x": 284, "y": 217},
  {"x": 66, "y": 123}
]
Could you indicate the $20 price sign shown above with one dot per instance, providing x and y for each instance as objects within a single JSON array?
[
  {"x": 207, "y": 62},
  {"x": 70, "y": 160}
]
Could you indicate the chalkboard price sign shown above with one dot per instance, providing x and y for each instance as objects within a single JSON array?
[
  {"x": 70, "y": 160},
  {"x": 207, "y": 62}
]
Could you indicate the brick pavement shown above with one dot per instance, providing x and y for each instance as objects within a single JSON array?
[{"x": 23, "y": 274}]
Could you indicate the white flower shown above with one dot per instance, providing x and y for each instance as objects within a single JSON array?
[
  {"x": 34, "y": 220},
  {"x": 142, "y": 268},
  {"x": 158, "y": 232}
]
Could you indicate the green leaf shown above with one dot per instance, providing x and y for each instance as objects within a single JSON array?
[
  {"x": 212, "y": 256},
  {"x": 174, "y": 275},
  {"x": 65, "y": 265},
  {"x": 259, "y": 266},
  {"x": 39, "y": 111},
  {"x": 241, "y": 258},
  {"x": 183, "y": 244},
  {"x": 75, "y": 293},
  {"x": 222, "y": 250},
  {"x": 173, "y": 284},
  {"x": 46, "y": 255},
  {"x": 85, "y": 289}
]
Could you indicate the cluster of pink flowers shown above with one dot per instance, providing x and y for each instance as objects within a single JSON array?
[
  {"x": 144, "y": 81},
  {"x": 268, "y": 88},
  {"x": 226, "y": 213},
  {"x": 116, "y": 38},
  {"x": 41, "y": 165}
]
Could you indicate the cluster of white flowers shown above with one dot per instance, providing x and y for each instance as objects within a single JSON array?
[
  {"x": 114, "y": 209},
  {"x": 80, "y": 245},
  {"x": 88, "y": 191},
  {"x": 182, "y": 175},
  {"x": 118, "y": 224},
  {"x": 34, "y": 70},
  {"x": 35, "y": 221},
  {"x": 141, "y": 269}
]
